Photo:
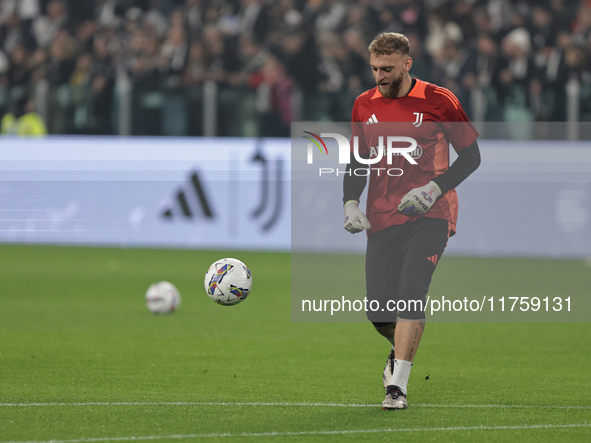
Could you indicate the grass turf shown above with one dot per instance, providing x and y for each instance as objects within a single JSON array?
[{"x": 81, "y": 358}]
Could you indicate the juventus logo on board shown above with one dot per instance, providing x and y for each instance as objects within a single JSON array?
[
  {"x": 271, "y": 190},
  {"x": 419, "y": 121}
]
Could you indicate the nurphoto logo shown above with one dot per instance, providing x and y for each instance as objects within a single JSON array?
[{"x": 377, "y": 153}]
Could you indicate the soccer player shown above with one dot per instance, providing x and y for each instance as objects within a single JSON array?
[{"x": 411, "y": 208}]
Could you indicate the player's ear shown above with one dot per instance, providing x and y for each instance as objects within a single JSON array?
[{"x": 408, "y": 63}]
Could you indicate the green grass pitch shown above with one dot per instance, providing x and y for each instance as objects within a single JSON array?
[{"x": 83, "y": 360}]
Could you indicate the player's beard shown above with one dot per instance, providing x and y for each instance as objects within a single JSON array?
[{"x": 393, "y": 88}]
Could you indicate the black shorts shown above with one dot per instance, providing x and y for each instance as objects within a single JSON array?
[{"x": 399, "y": 263}]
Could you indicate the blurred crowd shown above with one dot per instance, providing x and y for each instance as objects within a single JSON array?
[{"x": 276, "y": 61}]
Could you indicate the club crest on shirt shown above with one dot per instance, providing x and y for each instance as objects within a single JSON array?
[{"x": 419, "y": 119}]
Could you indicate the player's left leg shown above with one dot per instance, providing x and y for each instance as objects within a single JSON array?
[
  {"x": 408, "y": 336},
  {"x": 424, "y": 245}
]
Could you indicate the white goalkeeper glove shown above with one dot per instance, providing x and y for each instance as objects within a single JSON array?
[
  {"x": 355, "y": 220},
  {"x": 418, "y": 201}
]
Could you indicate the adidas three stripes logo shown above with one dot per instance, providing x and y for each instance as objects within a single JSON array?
[{"x": 372, "y": 119}]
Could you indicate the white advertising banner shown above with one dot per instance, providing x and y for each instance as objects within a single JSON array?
[
  {"x": 170, "y": 192},
  {"x": 528, "y": 198}
]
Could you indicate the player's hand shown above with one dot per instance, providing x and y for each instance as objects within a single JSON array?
[
  {"x": 355, "y": 220},
  {"x": 418, "y": 201}
]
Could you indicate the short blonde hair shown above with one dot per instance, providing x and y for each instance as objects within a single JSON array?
[{"x": 388, "y": 43}]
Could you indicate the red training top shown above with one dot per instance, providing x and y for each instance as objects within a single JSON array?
[{"x": 434, "y": 118}]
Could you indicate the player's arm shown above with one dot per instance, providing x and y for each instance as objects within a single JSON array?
[
  {"x": 462, "y": 135},
  {"x": 467, "y": 162},
  {"x": 419, "y": 200},
  {"x": 353, "y": 186}
]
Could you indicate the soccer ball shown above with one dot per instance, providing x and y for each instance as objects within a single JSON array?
[
  {"x": 228, "y": 281},
  {"x": 162, "y": 298}
]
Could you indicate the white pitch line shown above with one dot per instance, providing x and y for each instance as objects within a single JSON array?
[
  {"x": 337, "y": 432},
  {"x": 505, "y": 406},
  {"x": 327, "y": 405}
]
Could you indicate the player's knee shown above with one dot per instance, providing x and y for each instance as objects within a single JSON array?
[
  {"x": 381, "y": 318},
  {"x": 412, "y": 308},
  {"x": 381, "y": 324}
]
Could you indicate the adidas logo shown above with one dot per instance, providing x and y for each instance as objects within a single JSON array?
[
  {"x": 433, "y": 259},
  {"x": 190, "y": 203},
  {"x": 372, "y": 119}
]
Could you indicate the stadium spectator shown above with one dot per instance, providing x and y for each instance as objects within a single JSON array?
[
  {"x": 26, "y": 10},
  {"x": 549, "y": 102},
  {"x": 193, "y": 12},
  {"x": 81, "y": 99},
  {"x": 513, "y": 76},
  {"x": 109, "y": 13},
  {"x": 356, "y": 46},
  {"x": 301, "y": 57},
  {"x": 62, "y": 52},
  {"x": 46, "y": 27},
  {"x": 14, "y": 31},
  {"x": 563, "y": 13},
  {"x": 173, "y": 54},
  {"x": 85, "y": 34},
  {"x": 23, "y": 120},
  {"x": 330, "y": 64},
  {"x": 102, "y": 86},
  {"x": 542, "y": 29},
  {"x": 222, "y": 59},
  {"x": 144, "y": 71},
  {"x": 19, "y": 72},
  {"x": 195, "y": 72},
  {"x": 254, "y": 19},
  {"x": 330, "y": 15},
  {"x": 422, "y": 62},
  {"x": 273, "y": 97},
  {"x": 38, "y": 63},
  {"x": 476, "y": 79}
]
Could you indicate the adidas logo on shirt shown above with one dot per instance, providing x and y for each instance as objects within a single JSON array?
[{"x": 372, "y": 119}]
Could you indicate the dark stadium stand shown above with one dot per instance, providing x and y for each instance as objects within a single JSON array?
[{"x": 250, "y": 67}]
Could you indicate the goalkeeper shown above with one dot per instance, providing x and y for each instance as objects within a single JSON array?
[{"x": 410, "y": 216}]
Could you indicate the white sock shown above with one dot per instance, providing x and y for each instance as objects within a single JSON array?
[{"x": 401, "y": 373}]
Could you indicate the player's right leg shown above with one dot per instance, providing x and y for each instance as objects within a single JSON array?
[
  {"x": 382, "y": 269},
  {"x": 387, "y": 330}
]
